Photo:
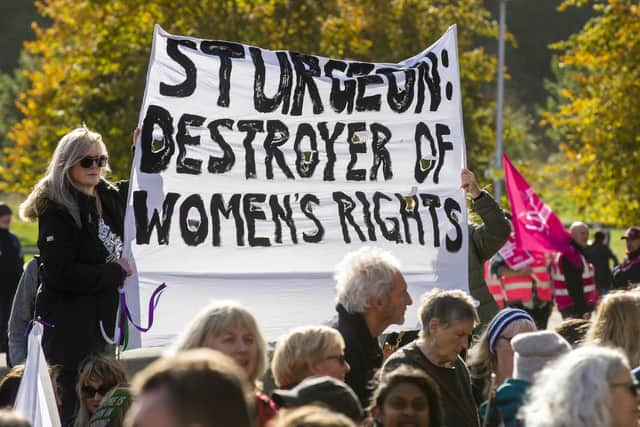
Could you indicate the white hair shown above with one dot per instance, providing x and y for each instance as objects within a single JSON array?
[
  {"x": 575, "y": 390},
  {"x": 578, "y": 224},
  {"x": 362, "y": 274}
]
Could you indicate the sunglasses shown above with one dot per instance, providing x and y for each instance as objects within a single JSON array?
[
  {"x": 87, "y": 162},
  {"x": 88, "y": 392},
  {"x": 634, "y": 387},
  {"x": 340, "y": 358}
]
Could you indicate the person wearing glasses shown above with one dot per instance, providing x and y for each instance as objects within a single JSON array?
[
  {"x": 80, "y": 238},
  {"x": 587, "y": 387},
  {"x": 309, "y": 351},
  {"x": 98, "y": 375}
]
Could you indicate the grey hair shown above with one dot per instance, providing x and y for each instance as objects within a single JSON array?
[
  {"x": 363, "y": 274},
  {"x": 214, "y": 320},
  {"x": 574, "y": 389},
  {"x": 449, "y": 307},
  {"x": 56, "y": 183}
]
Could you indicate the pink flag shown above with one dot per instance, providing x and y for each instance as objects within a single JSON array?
[{"x": 536, "y": 226}]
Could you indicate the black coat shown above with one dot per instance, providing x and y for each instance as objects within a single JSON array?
[
  {"x": 78, "y": 287},
  {"x": 362, "y": 351}
]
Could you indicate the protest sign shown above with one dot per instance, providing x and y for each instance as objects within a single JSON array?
[{"x": 256, "y": 171}]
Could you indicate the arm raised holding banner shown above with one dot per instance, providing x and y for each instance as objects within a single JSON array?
[{"x": 484, "y": 241}]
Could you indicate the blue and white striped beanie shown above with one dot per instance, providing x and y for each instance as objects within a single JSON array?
[{"x": 501, "y": 321}]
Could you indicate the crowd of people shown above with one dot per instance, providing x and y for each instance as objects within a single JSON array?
[{"x": 484, "y": 359}]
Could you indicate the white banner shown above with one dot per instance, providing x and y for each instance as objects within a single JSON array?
[{"x": 256, "y": 171}]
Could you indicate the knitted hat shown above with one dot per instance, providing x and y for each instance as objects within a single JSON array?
[
  {"x": 324, "y": 390},
  {"x": 532, "y": 350},
  {"x": 501, "y": 321}
]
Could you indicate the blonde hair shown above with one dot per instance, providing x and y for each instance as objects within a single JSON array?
[
  {"x": 56, "y": 183},
  {"x": 299, "y": 350},
  {"x": 617, "y": 324},
  {"x": 213, "y": 321},
  {"x": 100, "y": 369}
]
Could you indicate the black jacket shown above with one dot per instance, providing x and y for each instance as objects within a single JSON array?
[
  {"x": 78, "y": 288},
  {"x": 627, "y": 273},
  {"x": 362, "y": 351}
]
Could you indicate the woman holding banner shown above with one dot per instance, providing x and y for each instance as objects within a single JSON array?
[{"x": 80, "y": 237}]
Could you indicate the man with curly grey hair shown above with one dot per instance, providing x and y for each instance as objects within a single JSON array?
[{"x": 371, "y": 295}]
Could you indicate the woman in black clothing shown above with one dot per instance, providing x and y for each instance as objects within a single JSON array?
[{"x": 80, "y": 237}]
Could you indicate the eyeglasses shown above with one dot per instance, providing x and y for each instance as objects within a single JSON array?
[
  {"x": 88, "y": 392},
  {"x": 87, "y": 162},
  {"x": 634, "y": 388},
  {"x": 340, "y": 358}
]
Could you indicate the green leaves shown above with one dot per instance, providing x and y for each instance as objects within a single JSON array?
[{"x": 94, "y": 57}]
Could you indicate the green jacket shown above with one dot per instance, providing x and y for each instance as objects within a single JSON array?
[{"x": 484, "y": 241}]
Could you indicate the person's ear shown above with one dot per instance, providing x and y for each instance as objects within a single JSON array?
[
  {"x": 434, "y": 325},
  {"x": 376, "y": 303}
]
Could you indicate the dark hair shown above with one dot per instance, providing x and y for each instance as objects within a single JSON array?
[
  {"x": 9, "y": 386},
  {"x": 599, "y": 236},
  {"x": 573, "y": 330},
  {"x": 408, "y": 375},
  {"x": 197, "y": 384},
  {"x": 5, "y": 209}
]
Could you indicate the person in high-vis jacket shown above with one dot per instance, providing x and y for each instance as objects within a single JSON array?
[
  {"x": 528, "y": 287},
  {"x": 574, "y": 286}
]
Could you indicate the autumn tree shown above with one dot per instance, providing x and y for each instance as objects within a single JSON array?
[
  {"x": 596, "y": 110},
  {"x": 94, "y": 57}
]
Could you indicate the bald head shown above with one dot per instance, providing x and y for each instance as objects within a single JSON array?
[{"x": 579, "y": 233}]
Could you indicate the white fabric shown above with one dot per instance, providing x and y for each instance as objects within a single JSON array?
[
  {"x": 36, "y": 400},
  {"x": 289, "y": 283}
]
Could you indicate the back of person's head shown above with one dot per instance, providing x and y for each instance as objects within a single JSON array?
[
  {"x": 195, "y": 387},
  {"x": 296, "y": 354},
  {"x": 617, "y": 324},
  {"x": 387, "y": 383},
  {"x": 448, "y": 306},
  {"x": 534, "y": 350},
  {"x": 575, "y": 389},
  {"x": 10, "y": 418},
  {"x": 5, "y": 209},
  {"x": 311, "y": 416},
  {"x": 573, "y": 330},
  {"x": 327, "y": 391},
  {"x": 213, "y": 321},
  {"x": 599, "y": 236},
  {"x": 9, "y": 386},
  {"x": 363, "y": 274}
]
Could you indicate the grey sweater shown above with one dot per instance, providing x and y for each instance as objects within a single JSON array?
[{"x": 22, "y": 312}]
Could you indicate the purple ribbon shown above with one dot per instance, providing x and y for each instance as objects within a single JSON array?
[
  {"x": 125, "y": 314},
  {"x": 153, "y": 303},
  {"x": 39, "y": 320}
]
